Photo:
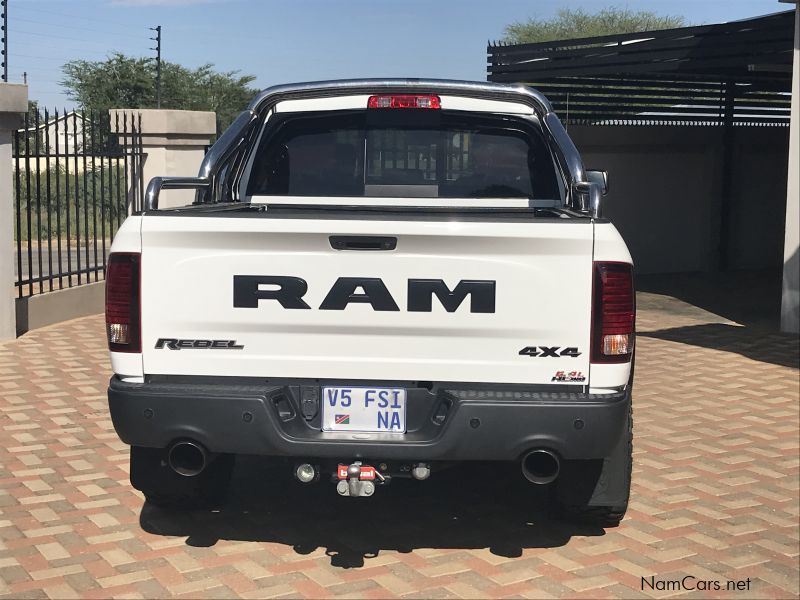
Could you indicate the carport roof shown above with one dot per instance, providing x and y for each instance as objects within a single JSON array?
[{"x": 739, "y": 72}]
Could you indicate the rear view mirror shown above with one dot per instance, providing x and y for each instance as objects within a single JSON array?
[
  {"x": 600, "y": 178},
  {"x": 589, "y": 196}
]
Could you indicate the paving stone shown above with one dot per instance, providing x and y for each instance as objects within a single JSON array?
[{"x": 715, "y": 493}]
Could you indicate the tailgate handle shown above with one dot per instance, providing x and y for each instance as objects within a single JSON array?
[{"x": 363, "y": 242}]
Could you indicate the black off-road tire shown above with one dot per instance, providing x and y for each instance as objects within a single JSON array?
[
  {"x": 161, "y": 486},
  {"x": 597, "y": 491}
]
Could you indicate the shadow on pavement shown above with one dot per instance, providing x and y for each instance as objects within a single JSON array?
[
  {"x": 469, "y": 507},
  {"x": 775, "y": 348},
  {"x": 750, "y": 298}
]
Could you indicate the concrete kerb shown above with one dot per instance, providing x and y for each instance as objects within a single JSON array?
[{"x": 42, "y": 310}]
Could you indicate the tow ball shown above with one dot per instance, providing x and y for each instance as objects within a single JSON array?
[{"x": 356, "y": 480}]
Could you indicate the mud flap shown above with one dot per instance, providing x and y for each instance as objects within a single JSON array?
[{"x": 584, "y": 485}]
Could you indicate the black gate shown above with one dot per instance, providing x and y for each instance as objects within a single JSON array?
[{"x": 77, "y": 176}]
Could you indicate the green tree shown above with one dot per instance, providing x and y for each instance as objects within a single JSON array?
[
  {"x": 127, "y": 82},
  {"x": 577, "y": 23}
]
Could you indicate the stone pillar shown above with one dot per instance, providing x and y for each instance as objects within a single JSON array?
[
  {"x": 13, "y": 104},
  {"x": 174, "y": 143},
  {"x": 790, "y": 301}
]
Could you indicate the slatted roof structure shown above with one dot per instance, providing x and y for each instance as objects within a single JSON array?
[{"x": 736, "y": 73}]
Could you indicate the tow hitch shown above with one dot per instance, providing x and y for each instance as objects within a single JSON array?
[{"x": 357, "y": 480}]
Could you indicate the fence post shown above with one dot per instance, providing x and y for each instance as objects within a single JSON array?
[
  {"x": 13, "y": 104},
  {"x": 173, "y": 142}
]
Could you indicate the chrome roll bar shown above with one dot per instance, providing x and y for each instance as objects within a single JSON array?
[
  {"x": 473, "y": 89},
  {"x": 170, "y": 183},
  {"x": 240, "y": 134}
]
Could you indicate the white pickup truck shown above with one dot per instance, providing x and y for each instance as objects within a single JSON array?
[{"x": 378, "y": 279}]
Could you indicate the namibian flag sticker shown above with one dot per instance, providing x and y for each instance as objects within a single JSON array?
[{"x": 342, "y": 419}]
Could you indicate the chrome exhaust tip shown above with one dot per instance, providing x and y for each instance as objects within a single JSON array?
[
  {"x": 187, "y": 458},
  {"x": 540, "y": 466}
]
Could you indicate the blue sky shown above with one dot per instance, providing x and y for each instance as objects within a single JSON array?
[{"x": 281, "y": 41}]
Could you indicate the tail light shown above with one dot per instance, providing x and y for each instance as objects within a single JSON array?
[
  {"x": 123, "y": 302},
  {"x": 404, "y": 101},
  {"x": 614, "y": 313}
]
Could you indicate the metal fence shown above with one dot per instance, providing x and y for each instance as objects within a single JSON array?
[
  {"x": 736, "y": 74},
  {"x": 77, "y": 176},
  {"x": 610, "y": 101}
]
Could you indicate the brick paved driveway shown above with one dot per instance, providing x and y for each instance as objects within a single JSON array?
[{"x": 715, "y": 493}]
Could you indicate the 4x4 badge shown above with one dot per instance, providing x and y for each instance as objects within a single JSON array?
[{"x": 549, "y": 351}]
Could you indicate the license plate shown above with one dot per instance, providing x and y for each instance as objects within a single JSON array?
[{"x": 373, "y": 410}]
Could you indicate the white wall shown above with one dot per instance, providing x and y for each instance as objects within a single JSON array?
[
  {"x": 790, "y": 300},
  {"x": 13, "y": 104}
]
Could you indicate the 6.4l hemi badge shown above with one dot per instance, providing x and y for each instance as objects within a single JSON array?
[
  {"x": 176, "y": 344},
  {"x": 569, "y": 377}
]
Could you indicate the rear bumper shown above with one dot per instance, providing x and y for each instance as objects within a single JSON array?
[{"x": 448, "y": 422}]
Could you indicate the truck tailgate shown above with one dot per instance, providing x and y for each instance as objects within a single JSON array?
[{"x": 542, "y": 274}]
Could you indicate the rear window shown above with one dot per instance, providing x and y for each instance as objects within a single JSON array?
[{"x": 403, "y": 153}]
